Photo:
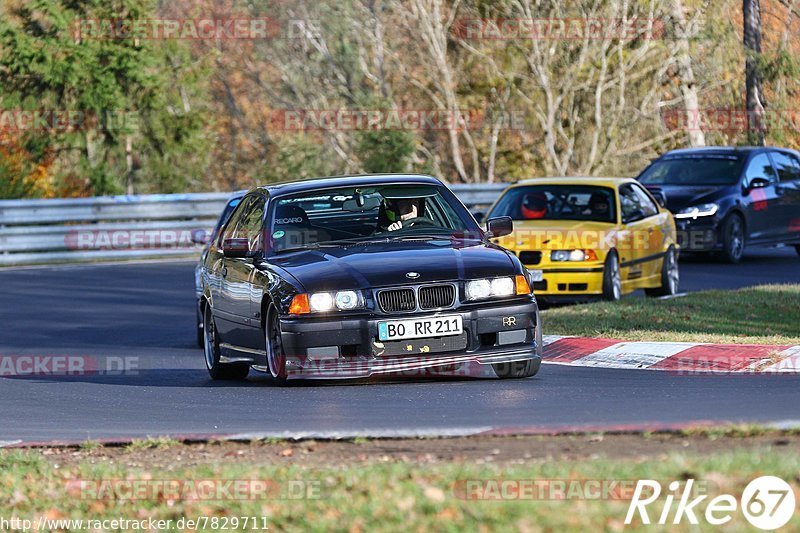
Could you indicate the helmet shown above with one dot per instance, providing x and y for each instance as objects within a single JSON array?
[{"x": 534, "y": 205}]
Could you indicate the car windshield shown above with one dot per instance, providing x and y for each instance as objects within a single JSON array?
[
  {"x": 694, "y": 170},
  {"x": 557, "y": 202},
  {"x": 360, "y": 214}
]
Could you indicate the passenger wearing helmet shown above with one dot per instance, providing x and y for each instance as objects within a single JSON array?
[
  {"x": 534, "y": 205},
  {"x": 598, "y": 208}
]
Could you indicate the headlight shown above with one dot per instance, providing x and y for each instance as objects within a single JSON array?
[
  {"x": 321, "y": 302},
  {"x": 480, "y": 289},
  {"x": 573, "y": 255},
  {"x": 702, "y": 210}
]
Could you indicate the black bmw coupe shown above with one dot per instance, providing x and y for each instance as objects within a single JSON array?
[{"x": 349, "y": 277}]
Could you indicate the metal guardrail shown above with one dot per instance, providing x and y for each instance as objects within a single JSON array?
[{"x": 109, "y": 228}]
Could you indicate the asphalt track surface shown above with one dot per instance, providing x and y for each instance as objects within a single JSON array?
[{"x": 144, "y": 314}]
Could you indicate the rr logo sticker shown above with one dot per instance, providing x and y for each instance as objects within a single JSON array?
[{"x": 509, "y": 321}]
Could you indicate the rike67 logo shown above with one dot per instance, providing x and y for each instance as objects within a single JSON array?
[{"x": 768, "y": 503}]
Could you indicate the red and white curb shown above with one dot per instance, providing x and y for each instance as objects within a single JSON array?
[{"x": 676, "y": 357}]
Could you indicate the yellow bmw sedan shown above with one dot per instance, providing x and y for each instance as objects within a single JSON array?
[{"x": 590, "y": 237}]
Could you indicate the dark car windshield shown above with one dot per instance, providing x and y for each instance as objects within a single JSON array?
[
  {"x": 356, "y": 214},
  {"x": 694, "y": 170},
  {"x": 557, "y": 202}
]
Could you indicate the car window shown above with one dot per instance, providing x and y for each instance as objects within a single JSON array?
[
  {"x": 787, "y": 166},
  {"x": 234, "y": 220},
  {"x": 362, "y": 213},
  {"x": 760, "y": 167},
  {"x": 635, "y": 204},
  {"x": 649, "y": 207},
  {"x": 694, "y": 169},
  {"x": 557, "y": 202},
  {"x": 251, "y": 225}
]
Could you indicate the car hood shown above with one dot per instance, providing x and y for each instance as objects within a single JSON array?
[
  {"x": 370, "y": 265},
  {"x": 554, "y": 234},
  {"x": 682, "y": 196}
]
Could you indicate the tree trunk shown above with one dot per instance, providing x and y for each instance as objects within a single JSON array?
[
  {"x": 686, "y": 76},
  {"x": 754, "y": 99}
]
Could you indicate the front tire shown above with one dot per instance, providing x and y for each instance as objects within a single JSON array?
[
  {"x": 612, "y": 279},
  {"x": 670, "y": 276},
  {"x": 218, "y": 371},
  {"x": 276, "y": 358},
  {"x": 517, "y": 369},
  {"x": 733, "y": 239}
]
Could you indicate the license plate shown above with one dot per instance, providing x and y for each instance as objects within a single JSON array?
[
  {"x": 418, "y": 328},
  {"x": 537, "y": 275}
]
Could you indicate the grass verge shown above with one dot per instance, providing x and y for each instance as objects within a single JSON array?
[
  {"x": 382, "y": 494},
  {"x": 765, "y": 314}
]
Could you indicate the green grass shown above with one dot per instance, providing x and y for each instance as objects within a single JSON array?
[
  {"x": 766, "y": 314},
  {"x": 387, "y": 496},
  {"x": 152, "y": 443}
]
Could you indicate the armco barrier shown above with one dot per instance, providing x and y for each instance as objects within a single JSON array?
[{"x": 109, "y": 228}]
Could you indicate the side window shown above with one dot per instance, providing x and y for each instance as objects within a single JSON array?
[
  {"x": 635, "y": 203},
  {"x": 629, "y": 204},
  {"x": 234, "y": 221},
  {"x": 649, "y": 207},
  {"x": 760, "y": 167},
  {"x": 787, "y": 166},
  {"x": 250, "y": 227}
]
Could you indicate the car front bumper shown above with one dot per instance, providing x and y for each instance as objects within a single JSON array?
[
  {"x": 343, "y": 348},
  {"x": 700, "y": 235}
]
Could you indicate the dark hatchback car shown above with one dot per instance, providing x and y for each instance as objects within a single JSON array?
[
  {"x": 354, "y": 276},
  {"x": 725, "y": 199}
]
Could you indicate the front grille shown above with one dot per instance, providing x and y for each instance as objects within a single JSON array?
[
  {"x": 530, "y": 258},
  {"x": 394, "y": 300},
  {"x": 436, "y": 296}
]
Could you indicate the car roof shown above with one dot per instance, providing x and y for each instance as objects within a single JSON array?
[
  {"x": 347, "y": 181},
  {"x": 728, "y": 150},
  {"x": 574, "y": 180}
]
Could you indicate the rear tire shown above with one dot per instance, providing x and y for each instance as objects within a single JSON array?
[
  {"x": 612, "y": 279},
  {"x": 670, "y": 276},
  {"x": 733, "y": 239},
  {"x": 201, "y": 338},
  {"x": 217, "y": 370},
  {"x": 517, "y": 369}
]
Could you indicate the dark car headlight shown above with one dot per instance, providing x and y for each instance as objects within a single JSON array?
[
  {"x": 505, "y": 287},
  {"x": 696, "y": 211},
  {"x": 323, "y": 302}
]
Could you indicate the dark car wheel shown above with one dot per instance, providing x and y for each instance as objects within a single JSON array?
[
  {"x": 276, "y": 358},
  {"x": 612, "y": 279},
  {"x": 517, "y": 369},
  {"x": 217, "y": 370},
  {"x": 670, "y": 276},
  {"x": 733, "y": 239},
  {"x": 201, "y": 338}
]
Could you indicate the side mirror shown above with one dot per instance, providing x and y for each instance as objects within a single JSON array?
[
  {"x": 499, "y": 227},
  {"x": 236, "y": 248},
  {"x": 479, "y": 216},
  {"x": 661, "y": 198},
  {"x": 201, "y": 236},
  {"x": 757, "y": 183}
]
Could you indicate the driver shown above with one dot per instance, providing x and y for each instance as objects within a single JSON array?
[{"x": 402, "y": 212}]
